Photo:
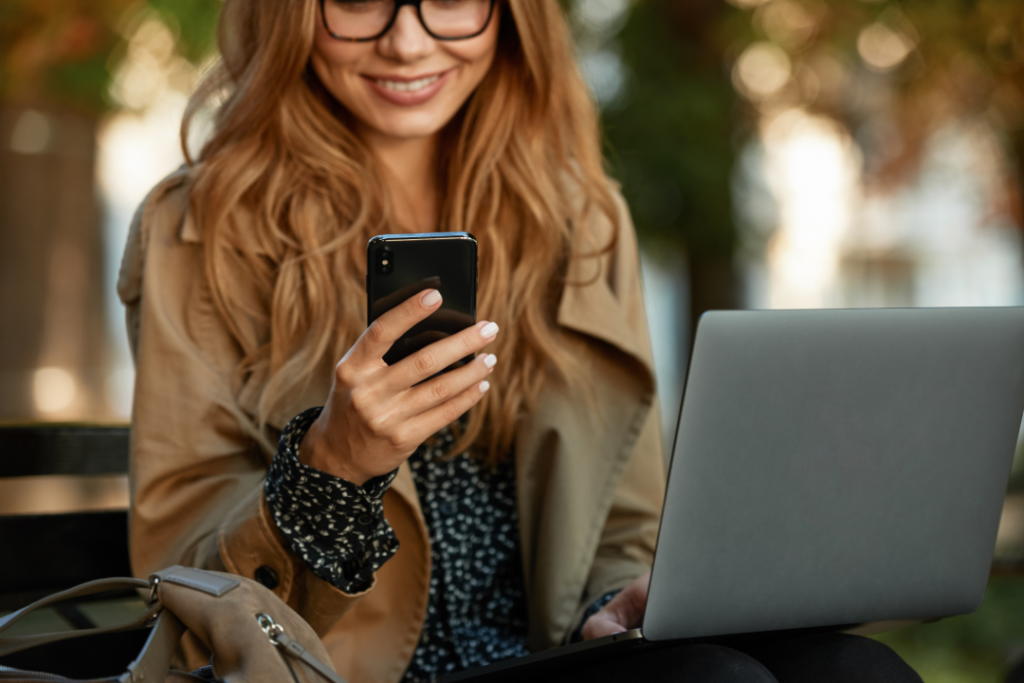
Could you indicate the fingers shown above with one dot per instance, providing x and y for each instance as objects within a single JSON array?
[
  {"x": 602, "y": 624},
  {"x": 430, "y": 421},
  {"x": 427, "y": 395},
  {"x": 430, "y": 360},
  {"x": 389, "y": 327},
  {"x": 623, "y": 612}
]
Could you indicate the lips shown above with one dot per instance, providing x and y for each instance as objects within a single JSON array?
[{"x": 408, "y": 91}]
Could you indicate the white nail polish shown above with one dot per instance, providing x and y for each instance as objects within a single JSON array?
[
  {"x": 484, "y": 386},
  {"x": 489, "y": 330},
  {"x": 490, "y": 359},
  {"x": 430, "y": 298}
]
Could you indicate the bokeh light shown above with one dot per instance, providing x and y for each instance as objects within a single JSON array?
[
  {"x": 883, "y": 48},
  {"x": 762, "y": 70},
  {"x": 788, "y": 22},
  {"x": 32, "y": 133},
  {"x": 54, "y": 390}
]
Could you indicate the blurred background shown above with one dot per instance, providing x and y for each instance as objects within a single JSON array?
[{"x": 775, "y": 154}]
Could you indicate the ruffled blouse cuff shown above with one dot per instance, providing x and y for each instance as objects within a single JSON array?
[
  {"x": 595, "y": 607},
  {"x": 335, "y": 526}
]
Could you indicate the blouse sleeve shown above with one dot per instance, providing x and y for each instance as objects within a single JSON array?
[
  {"x": 577, "y": 635},
  {"x": 335, "y": 526}
]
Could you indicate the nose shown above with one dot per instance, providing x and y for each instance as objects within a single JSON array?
[{"x": 407, "y": 41}]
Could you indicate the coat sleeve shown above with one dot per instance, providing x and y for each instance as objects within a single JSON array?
[
  {"x": 626, "y": 547},
  {"x": 197, "y": 467}
]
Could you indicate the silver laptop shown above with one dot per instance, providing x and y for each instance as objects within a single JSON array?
[{"x": 831, "y": 469}]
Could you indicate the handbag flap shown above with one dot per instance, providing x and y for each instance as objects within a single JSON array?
[{"x": 207, "y": 582}]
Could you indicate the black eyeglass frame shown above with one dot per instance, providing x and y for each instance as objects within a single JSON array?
[{"x": 399, "y": 4}]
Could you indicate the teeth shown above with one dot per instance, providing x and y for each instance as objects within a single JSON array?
[{"x": 410, "y": 86}]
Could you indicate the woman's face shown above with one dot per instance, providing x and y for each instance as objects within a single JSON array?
[{"x": 405, "y": 84}]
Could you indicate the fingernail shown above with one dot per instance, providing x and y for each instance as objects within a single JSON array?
[
  {"x": 430, "y": 297},
  {"x": 484, "y": 386},
  {"x": 490, "y": 359},
  {"x": 489, "y": 330}
]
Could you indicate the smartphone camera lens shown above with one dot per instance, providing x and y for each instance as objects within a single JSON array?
[{"x": 385, "y": 261}]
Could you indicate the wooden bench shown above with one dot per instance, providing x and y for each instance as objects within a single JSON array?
[{"x": 41, "y": 554}]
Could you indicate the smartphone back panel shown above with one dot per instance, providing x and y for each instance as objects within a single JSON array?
[{"x": 401, "y": 266}]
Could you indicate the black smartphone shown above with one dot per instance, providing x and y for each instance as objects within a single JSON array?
[{"x": 401, "y": 266}]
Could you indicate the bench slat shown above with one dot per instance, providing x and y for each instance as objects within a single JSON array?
[{"x": 70, "y": 449}]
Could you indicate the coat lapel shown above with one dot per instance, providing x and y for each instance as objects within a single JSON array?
[{"x": 571, "y": 451}]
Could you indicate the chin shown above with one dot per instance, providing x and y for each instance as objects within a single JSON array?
[{"x": 409, "y": 126}]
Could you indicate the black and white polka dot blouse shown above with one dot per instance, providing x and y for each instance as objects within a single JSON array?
[{"x": 476, "y": 611}]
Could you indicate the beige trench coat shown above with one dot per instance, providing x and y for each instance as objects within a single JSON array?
[{"x": 590, "y": 476}]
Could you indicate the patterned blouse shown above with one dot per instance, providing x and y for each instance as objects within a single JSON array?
[{"x": 476, "y": 610}]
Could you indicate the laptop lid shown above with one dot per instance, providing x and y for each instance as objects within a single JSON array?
[{"x": 837, "y": 467}]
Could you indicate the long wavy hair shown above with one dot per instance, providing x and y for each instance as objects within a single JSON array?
[{"x": 286, "y": 196}]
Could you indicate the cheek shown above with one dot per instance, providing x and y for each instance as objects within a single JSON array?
[
  {"x": 334, "y": 61},
  {"x": 477, "y": 57},
  {"x": 477, "y": 54}
]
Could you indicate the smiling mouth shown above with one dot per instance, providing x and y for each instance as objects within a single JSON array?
[{"x": 407, "y": 86}]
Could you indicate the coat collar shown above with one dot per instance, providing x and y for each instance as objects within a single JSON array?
[{"x": 603, "y": 295}]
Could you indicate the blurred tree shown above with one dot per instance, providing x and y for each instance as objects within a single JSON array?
[
  {"x": 58, "y": 59},
  {"x": 671, "y": 140},
  {"x": 194, "y": 22},
  {"x": 968, "y": 63},
  {"x": 53, "y": 77},
  {"x": 58, "y": 51},
  {"x": 63, "y": 53},
  {"x": 893, "y": 72}
]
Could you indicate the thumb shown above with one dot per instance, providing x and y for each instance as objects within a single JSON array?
[{"x": 603, "y": 623}]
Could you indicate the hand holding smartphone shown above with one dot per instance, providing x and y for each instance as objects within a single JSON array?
[{"x": 413, "y": 370}]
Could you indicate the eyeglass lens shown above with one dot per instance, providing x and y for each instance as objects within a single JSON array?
[{"x": 360, "y": 19}]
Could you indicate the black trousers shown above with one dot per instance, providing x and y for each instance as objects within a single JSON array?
[{"x": 820, "y": 658}]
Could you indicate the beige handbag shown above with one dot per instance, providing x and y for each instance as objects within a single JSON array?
[{"x": 254, "y": 637}]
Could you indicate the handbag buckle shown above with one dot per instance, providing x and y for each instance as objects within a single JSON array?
[{"x": 269, "y": 626}]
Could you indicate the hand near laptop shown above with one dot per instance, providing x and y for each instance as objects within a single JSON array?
[{"x": 624, "y": 612}]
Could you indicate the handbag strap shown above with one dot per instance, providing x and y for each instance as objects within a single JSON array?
[
  {"x": 12, "y": 644},
  {"x": 292, "y": 648},
  {"x": 151, "y": 666},
  {"x": 275, "y": 632}
]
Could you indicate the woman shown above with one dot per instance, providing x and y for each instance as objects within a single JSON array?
[{"x": 414, "y": 536}]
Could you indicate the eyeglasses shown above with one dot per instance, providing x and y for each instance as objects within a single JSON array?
[{"x": 365, "y": 20}]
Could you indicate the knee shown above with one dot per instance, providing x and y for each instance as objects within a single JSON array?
[
  {"x": 705, "y": 662},
  {"x": 838, "y": 658},
  {"x": 869, "y": 659}
]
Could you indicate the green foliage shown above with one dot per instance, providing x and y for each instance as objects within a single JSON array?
[
  {"x": 57, "y": 52},
  {"x": 64, "y": 54},
  {"x": 84, "y": 82},
  {"x": 194, "y": 22},
  {"x": 670, "y": 136},
  {"x": 975, "y": 648}
]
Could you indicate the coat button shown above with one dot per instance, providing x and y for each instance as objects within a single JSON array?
[
  {"x": 365, "y": 520},
  {"x": 267, "y": 576}
]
